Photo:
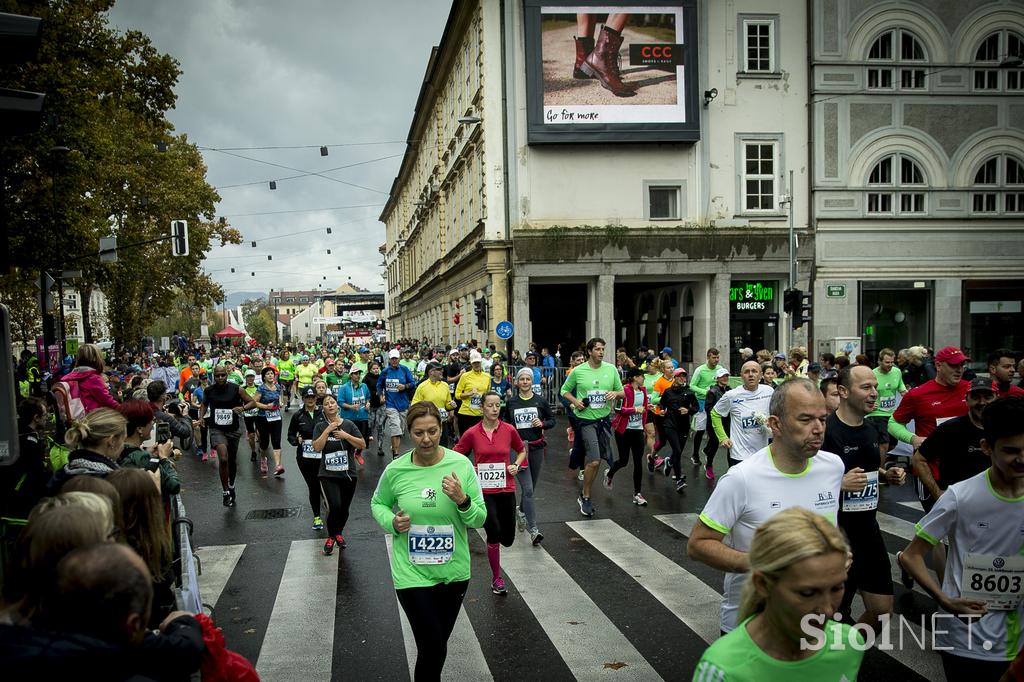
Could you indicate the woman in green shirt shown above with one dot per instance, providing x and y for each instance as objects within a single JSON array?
[
  {"x": 430, "y": 554},
  {"x": 798, "y": 564}
]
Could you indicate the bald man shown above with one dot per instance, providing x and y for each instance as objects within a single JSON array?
[{"x": 747, "y": 408}]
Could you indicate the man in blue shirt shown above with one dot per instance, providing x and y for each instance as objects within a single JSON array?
[{"x": 396, "y": 386}]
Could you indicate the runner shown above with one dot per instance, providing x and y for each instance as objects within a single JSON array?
[
  {"x": 337, "y": 439},
  {"x": 395, "y": 386},
  {"x": 856, "y": 443},
  {"x": 435, "y": 390},
  {"x": 679, "y": 404},
  {"x": 286, "y": 373},
  {"x": 982, "y": 518},
  {"x": 791, "y": 472},
  {"x": 430, "y": 563},
  {"x": 531, "y": 415},
  {"x": 453, "y": 371},
  {"x": 591, "y": 389},
  {"x": 890, "y": 385},
  {"x": 322, "y": 390},
  {"x": 353, "y": 398},
  {"x": 538, "y": 376},
  {"x": 629, "y": 425},
  {"x": 1000, "y": 368},
  {"x": 470, "y": 390},
  {"x": 652, "y": 372},
  {"x": 363, "y": 362},
  {"x": 407, "y": 361},
  {"x": 305, "y": 373},
  {"x": 797, "y": 568},
  {"x": 661, "y": 385},
  {"x": 830, "y": 391},
  {"x": 711, "y": 399},
  {"x": 300, "y": 434},
  {"x": 268, "y": 422},
  {"x": 223, "y": 402},
  {"x": 703, "y": 379},
  {"x": 489, "y": 443},
  {"x": 335, "y": 376},
  {"x": 249, "y": 416},
  {"x": 747, "y": 409},
  {"x": 376, "y": 409}
]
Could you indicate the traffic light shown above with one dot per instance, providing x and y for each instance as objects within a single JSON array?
[
  {"x": 803, "y": 305},
  {"x": 790, "y": 300},
  {"x": 179, "y": 237},
  {"x": 806, "y": 307},
  {"x": 480, "y": 308}
]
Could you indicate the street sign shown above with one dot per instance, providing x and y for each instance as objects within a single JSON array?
[
  {"x": 108, "y": 249},
  {"x": 71, "y": 346},
  {"x": 504, "y": 330},
  {"x": 835, "y": 291}
]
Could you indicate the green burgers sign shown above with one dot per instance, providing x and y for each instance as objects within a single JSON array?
[{"x": 751, "y": 297}]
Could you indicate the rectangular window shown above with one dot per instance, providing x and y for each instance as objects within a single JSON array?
[
  {"x": 880, "y": 78},
  {"x": 758, "y": 43},
  {"x": 1014, "y": 202},
  {"x": 879, "y": 202},
  {"x": 986, "y": 79},
  {"x": 984, "y": 202},
  {"x": 663, "y": 203},
  {"x": 912, "y": 202},
  {"x": 759, "y": 172},
  {"x": 912, "y": 79}
]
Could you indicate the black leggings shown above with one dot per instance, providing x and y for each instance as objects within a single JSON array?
[
  {"x": 500, "y": 525},
  {"x": 310, "y": 468},
  {"x": 466, "y": 422},
  {"x": 698, "y": 436},
  {"x": 364, "y": 429},
  {"x": 676, "y": 441},
  {"x": 270, "y": 433},
  {"x": 963, "y": 668},
  {"x": 631, "y": 441},
  {"x": 432, "y": 612},
  {"x": 338, "y": 492}
]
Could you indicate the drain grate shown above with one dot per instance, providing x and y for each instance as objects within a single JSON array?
[{"x": 268, "y": 514}]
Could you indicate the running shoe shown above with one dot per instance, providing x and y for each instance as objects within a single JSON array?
[
  {"x": 279, "y": 471},
  {"x": 380, "y": 453},
  {"x": 200, "y": 452},
  {"x": 586, "y": 506},
  {"x": 650, "y": 463},
  {"x": 318, "y": 523},
  {"x": 607, "y": 479},
  {"x": 263, "y": 466},
  {"x": 536, "y": 536},
  {"x": 905, "y": 577},
  {"x": 680, "y": 484},
  {"x": 359, "y": 459},
  {"x": 340, "y": 541},
  {"x": 231, "y": 491},
  {"x": 252, "y": 457},
  {"x": 213, "y": 453},
  {"x": 520, "y": 520},
  {"x": 580, "y": 475},
  {"x": 329, "y": 547},
  {"x": 709, "y": 473},
  {"x": 498, "y": 586},
  {"x": 206, "y": 456},
  {"x": 227, "y": 499},
  {"x": 639, "y": 500},
  {"x": 695, "y": 459}
]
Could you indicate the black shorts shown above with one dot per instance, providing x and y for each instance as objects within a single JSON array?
[{"x": 871, "y": 570}]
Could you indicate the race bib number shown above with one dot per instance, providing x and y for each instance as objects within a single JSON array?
[
  {"x": 996, "y": 580},
  {"x": 273, "y": 415},
  {"x": 336, "y": 461},
  {"x": 888, "y": 403},
  {"x": 391, "y": 385},
  {"x": 307, "y": 450},
  {"x": 862, "y": 500},
  {"x": 524, "y": 417},
  {"x": 223, "y": 417},
  {"x": 251, "y": 413},
  {"x": 476, "y": 401},
  {"x": 444, "y": 414},
  {"x": 598, "y": 399},
  {"x": 359, "y": 401},
  {"x": 749, "y": 423},
  {"x": 635, "y": 421},
  {"x": 536, "y": 389},
  {"x": 491, "y": 475},
  {"x": 431, "y": 545}
]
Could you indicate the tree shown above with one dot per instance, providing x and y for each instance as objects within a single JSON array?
[
  {"x": 20, "y": 294},
  {"x": 259, "y": 320},
  {"x": 94, "y": 169}
]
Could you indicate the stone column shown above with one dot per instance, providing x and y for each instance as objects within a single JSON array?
[{"x": 604, "y": 308}]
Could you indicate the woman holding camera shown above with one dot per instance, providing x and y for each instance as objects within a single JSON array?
[{"x": 139, "y": 414}]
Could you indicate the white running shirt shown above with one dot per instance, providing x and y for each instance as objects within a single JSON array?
[
  {"x": 741, "y": 405},
  {"x": 754, "y": 491}
]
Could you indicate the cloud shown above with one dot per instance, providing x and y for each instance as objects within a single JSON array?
[{"x": 258, "y": 73}]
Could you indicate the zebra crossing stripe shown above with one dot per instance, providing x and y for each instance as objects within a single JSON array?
[
  {"x": 576, "y": 626},
  {"x": 465, "y": 657},
  {"x": 303, "y": 617},
  {"x": 682, "y": 593},
  {"x": 912, "y": 504},
  {"x": 217, "y": 563},
  {"x": 894, "y": 525}
]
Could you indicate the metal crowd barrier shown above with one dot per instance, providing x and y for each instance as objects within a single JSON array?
[{"x": 186, "y": 564}]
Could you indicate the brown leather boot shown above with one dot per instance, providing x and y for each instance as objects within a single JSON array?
[
  {"x": 603, "y": 63},
  {"x": 584, "y": 46}
]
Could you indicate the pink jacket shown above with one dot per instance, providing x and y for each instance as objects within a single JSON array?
[
  {"x": 92, "y": 389},
  {"x": 621, "y": 419}
]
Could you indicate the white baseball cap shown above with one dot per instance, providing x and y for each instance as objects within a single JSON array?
[
  {"x": 474, "y": 356},
  {"x": 393, "y": 353}
]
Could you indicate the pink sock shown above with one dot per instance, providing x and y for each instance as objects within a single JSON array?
[{"x": 494, "y": 559}]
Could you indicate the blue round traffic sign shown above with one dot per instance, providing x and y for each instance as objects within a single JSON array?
[{"x": 504, "y": 330}]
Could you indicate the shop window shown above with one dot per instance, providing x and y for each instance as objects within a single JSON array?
[
  {"x": 888, "y": 195},
  {"x": 896, "y": 58}
]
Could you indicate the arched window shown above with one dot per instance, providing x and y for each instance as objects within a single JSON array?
[
  {"x": 994, "y": 50},
  {"x": 896, "y": 60},
  {"x": 896, "y": 186},
  {"x": 999, "y": 186}
]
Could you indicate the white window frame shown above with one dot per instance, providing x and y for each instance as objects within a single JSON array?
[
  {"x": 775, "y": 140},
  {"x": 679, "y": 186},
  {"x": 896, "y": 190},
  {"x": 747, "y": 20},
  {"x": 1001, "y": 189},
  {"x": 896, "y": 65},
  {"x": 990, "y": 68}
]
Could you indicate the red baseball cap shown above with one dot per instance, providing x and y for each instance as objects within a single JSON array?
[{"x": 951, "y": 355}]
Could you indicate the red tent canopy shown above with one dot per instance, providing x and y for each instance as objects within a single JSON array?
[{"x": 228, "y": 332}]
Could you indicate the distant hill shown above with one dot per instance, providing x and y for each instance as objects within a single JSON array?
[{"x": 236, "y": 298}]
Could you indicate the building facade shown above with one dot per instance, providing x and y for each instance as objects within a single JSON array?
[
  {"x": 680, "y": 243},
  {"x": 97, "y": 314},
  {"x": 918, "y": 173}
]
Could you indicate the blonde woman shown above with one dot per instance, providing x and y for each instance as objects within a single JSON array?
[
  {"x": 96, "y": 442},
  {"x": 798, "y": 566}
]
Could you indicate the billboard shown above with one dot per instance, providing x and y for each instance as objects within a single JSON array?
[{"x": 607, "y": 72}]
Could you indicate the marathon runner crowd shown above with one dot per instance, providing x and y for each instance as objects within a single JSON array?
[{"x": 810, "y": 447}]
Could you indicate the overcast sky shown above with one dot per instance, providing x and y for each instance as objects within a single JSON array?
[{"x": 260, "y": 73}]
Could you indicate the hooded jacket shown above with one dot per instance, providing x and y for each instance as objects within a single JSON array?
[{"x": 92, "y": 389}]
